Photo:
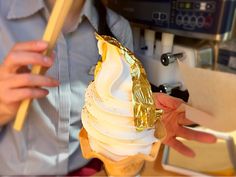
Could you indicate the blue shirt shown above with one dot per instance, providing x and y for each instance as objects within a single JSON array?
[{"x": 48, "y": 143}]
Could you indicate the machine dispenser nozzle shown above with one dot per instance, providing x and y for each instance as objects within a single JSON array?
[
  {"x": 167, "y": 88},
  {"x": 168, "y": 58}
]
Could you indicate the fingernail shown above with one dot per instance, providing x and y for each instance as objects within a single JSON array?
[
  {"x": 56, "y": 82},
  {"x": 214, "y": 140},
  {"x": 192, "y": 154},
  {"x": 46, "y": 92},
  {"x": 42, "y": 44},
  {"x": 47, "y": 60}
]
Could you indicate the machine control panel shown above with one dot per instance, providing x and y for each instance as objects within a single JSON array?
[
  {"x": 192, "y": 15},
  {"x": 210, "y": 19}
]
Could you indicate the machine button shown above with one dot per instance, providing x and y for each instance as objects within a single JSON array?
[
  {"x": 193, "y": 21},
  {"x": 203, "y": 6},
  {"x": 208, "y": 21},
  {"x": 200, "y": 21},
  {"x": 210, "y": 6},
  {"x": 186, "y": 20},
  {"x": 163, "y": 16},
  {"x": 179, "y": 19},
  {"x": 155, "y": 15}
]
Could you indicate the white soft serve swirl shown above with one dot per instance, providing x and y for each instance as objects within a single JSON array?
[{"x": 108, "y": 112}]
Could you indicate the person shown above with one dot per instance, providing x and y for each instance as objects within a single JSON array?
[{"x": 48, "y": 143}]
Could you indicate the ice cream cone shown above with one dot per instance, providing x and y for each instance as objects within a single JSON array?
[{"x": 129, "y": 166}]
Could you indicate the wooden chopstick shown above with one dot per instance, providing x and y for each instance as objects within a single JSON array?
[{"x": 52, "y": 31}]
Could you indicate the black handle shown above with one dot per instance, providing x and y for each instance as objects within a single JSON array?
[
  {"x": 167, "y": 88},
  {"x": 168, "y": 58}
]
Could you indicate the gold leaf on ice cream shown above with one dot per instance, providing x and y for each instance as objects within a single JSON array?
[
  {"x": 145, "y": 112},
  {"x": 99, "y": 64}
]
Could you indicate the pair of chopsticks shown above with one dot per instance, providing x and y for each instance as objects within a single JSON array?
[{"x": 52, "y": 31}]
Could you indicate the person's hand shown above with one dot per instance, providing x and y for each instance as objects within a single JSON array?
[
  {"x": 16, "y": 83},
  {"x": 174, "y": 120}
]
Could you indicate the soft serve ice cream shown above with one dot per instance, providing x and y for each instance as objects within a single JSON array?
[{"x": 108, "y": 114}]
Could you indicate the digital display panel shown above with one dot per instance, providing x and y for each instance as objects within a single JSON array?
[{"x": 185, "y": 5}]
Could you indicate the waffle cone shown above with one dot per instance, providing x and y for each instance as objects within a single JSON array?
[{"x": 129, "y": 166}]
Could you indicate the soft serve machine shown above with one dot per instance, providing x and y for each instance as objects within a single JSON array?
[
  {"x": 159, "y": 26},
  {"x": 209, "y": 21}
]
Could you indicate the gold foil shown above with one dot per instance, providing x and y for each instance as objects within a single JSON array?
[{"x": 145, "y": 112}]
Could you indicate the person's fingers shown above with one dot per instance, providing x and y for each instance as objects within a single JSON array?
[
  {"x": 190, "y": 134},
  {"x": 25, "y": 93},
  {"x": 16, "y": 60},
  {"x": 31, "y": 80},
  {"x": 166, "y": 102},
  {"x": 181, "y": 148},
  {"x": 33, "y": 46},
  {"x": 182, "y": 120}
]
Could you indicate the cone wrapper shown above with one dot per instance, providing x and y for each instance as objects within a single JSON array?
[{"x": 129, "y": 166}]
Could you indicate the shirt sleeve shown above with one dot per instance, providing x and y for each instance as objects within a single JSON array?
[{"x": 121, "y": 29}]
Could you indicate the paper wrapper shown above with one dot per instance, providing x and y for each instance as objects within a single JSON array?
[
  {"x": 212, "y": 97},
  {"x": 129, "y": 166}
]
